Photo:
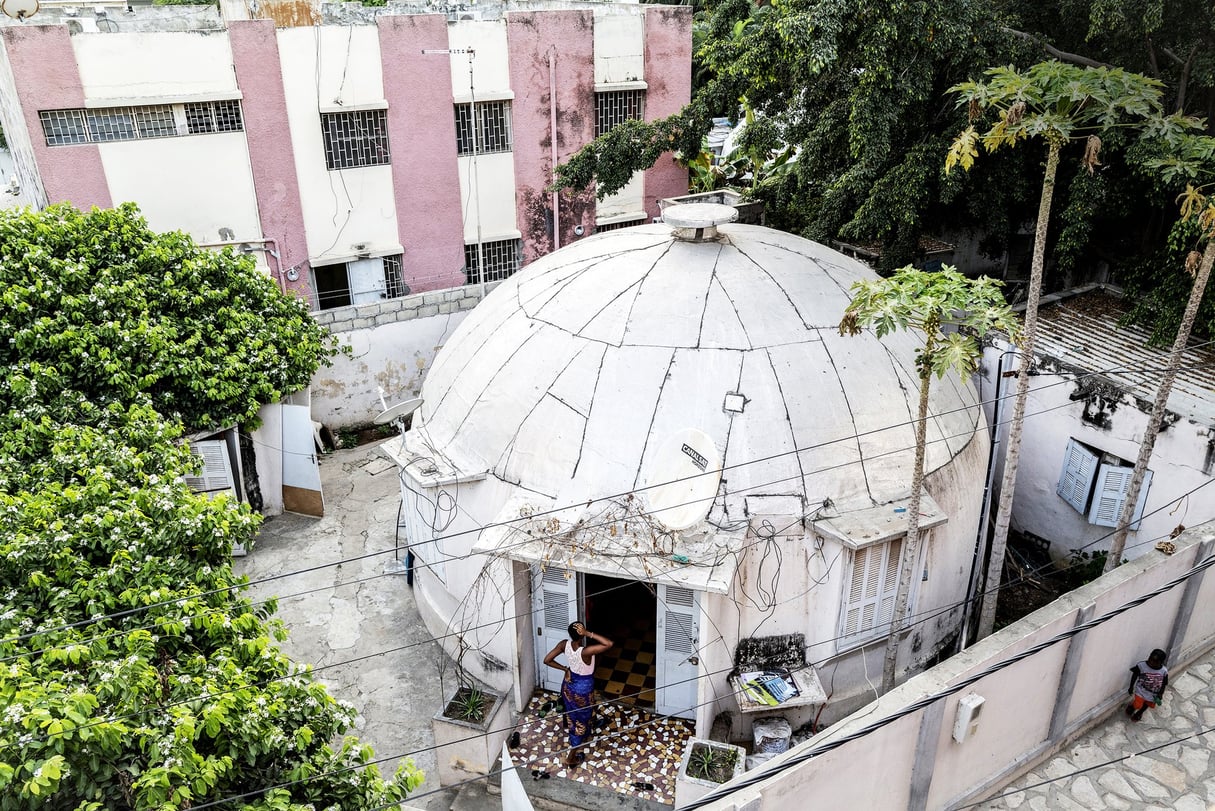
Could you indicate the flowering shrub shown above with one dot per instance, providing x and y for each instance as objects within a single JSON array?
[{"x": 133, "y": 673}]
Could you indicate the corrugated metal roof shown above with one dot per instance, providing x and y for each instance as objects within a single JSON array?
[{"x": 1083, "y": 332}]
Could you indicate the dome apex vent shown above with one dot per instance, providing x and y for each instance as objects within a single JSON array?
[{"x": 697, "y": 222}]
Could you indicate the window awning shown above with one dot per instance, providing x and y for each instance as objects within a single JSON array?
[
  {"x": 613, "y": 539},
  {"x": 857, "y": 529}
]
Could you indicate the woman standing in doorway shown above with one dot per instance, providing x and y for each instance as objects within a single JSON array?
[{"x": 579, "y": 682}]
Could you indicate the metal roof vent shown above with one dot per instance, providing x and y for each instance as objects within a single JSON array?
[{"x": 697, "y": 222}]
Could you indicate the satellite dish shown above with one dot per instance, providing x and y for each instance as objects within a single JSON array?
[
  {"x": 681, "y": 480},
  {"x": 19, "y": 9},
  {"x": 398, "y": 411}
]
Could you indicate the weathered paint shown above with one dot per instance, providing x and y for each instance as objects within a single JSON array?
[
  {"x": 668, "y": 53},
  {"x": 425, "y": 180},
  {"x": 148, "y": 68},
  {"x": 566, "y": 36},
  {"x": 47, "y": 78},
  {"x": 271, "y": 155}
]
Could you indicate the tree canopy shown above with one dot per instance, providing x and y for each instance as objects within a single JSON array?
[
  {"x": 860, "y": 89},
  {"x": 133, "y": 673}
]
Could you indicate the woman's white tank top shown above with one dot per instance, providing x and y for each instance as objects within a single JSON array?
[{"x": 574, "y": 658}]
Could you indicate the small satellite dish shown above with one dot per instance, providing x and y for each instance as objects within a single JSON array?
[
  {"x": 398, "y": 411},
  {"x": 20, "y": 9},
  {"x": 681, "y": 480}
]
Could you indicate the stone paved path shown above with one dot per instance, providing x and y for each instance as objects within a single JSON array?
[
  {"x": 355, "y": 611},
  {"x": 1178, "y": 774}
]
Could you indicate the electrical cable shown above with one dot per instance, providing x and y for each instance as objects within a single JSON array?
[
  {"x": 763, "y": 773},
  {"x": 482, "y": 528}
]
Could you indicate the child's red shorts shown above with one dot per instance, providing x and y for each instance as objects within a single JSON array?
[{"x": 1139, "y": 702}]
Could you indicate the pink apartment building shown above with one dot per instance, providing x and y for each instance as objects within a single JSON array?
[{"x": 367, "y": 158}]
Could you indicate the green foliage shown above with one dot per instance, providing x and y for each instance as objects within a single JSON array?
[
  {"x": 133, "y": 674},
  {"x": 1082, "y": 567},
  {"x": 928, "y": 301},
  {"x": 712, "y": 763},
  {"x": 98, "y": 306},
  {"x": 469, "y": 704}
]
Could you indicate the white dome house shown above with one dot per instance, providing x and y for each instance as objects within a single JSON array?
[{"x": 660, "y": 430}]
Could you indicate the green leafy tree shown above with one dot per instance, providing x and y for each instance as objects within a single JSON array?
[
  {"x": 1060, "y": 104},
  {"x": 1192, "y": 160},
  {"x": 133, "y": 673},
  {"x": 926, "y": 302}
]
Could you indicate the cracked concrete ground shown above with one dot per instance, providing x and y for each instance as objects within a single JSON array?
[{"x": 356, "y": 622}]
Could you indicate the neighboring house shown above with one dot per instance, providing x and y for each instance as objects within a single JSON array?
[
  {"x": 342, "y": 149},
  {"x": 665, "y": 434},
  {"x": 1091, "y": 391}
]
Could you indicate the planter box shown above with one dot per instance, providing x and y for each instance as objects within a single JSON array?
[
  {"x": 689, "y": 789},
  {"x": 463, "y": 749}
]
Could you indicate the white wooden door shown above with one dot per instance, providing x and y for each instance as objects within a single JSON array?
[
  {"x": 555, "y": 597},
  {"x": 678, "y": 655},
  {"x": 301, "y": 472}
]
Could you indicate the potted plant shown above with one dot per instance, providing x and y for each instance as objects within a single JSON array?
[
  {"x": 705, "y": 766},
  {"x": 469, "y": 732}
]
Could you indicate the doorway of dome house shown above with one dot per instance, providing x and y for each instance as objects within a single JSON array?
[{"x": 625, "y": 612}]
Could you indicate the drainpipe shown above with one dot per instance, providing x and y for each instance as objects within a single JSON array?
[
  {"x": 978, "y": 562},
  {"x": 552, "y": 137}
]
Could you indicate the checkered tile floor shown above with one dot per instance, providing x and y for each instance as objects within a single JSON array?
[{"x": 626, "y": 673}]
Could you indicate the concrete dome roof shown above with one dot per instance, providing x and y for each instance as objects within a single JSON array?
[{"x": 571, "y": 375}]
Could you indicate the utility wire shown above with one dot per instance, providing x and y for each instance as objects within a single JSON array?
[{"x": 763, "y": 773}]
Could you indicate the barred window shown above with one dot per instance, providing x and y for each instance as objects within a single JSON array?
[
  {"x": 502, "y": 259},
  {"x": 214, "y": 116},
  {"x": 612, "y": 226},
  {"x": 616, "y": 106},
  {"x": 354, "y": 139},
  {"x": 394, "y": 280},
  {"x": 104, "y": 124},
  {"x": 492, "y": 128}
]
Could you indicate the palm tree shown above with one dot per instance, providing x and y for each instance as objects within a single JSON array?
[
  {"x": 1061, "y": 104},
  {"x": 917, "y": 299},
  {"x": 1193, "y": 159}
]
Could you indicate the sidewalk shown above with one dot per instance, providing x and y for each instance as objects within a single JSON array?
[
  {"x": 1177, "y": 776},
  {"x": 355, "y": 611}
]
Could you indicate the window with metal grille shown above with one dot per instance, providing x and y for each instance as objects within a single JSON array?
[
  {"x": 354, "y": 139},
  {"x": 615, "y": 106},
  {"x": 492, "y": 128},
  {"x": 214, "y": 116},
  {"x": 105, "y": 124},
  {"x": 501, "y": 260},
  {"x": 612, "y": 226},
  {"x": 870, "y": 594},
  {"x": 394, "y": 280}
]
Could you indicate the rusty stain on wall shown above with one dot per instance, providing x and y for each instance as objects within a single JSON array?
[{"x": 287, "y": 13}]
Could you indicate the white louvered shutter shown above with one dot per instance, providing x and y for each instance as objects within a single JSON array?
[
  {"x": 1112, "y": 483},
  {"x": 216, "y": 474},
  {"x": 1075, "y": 482}
]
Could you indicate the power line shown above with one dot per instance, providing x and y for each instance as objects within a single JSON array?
[{"x": 763, "y": 773}]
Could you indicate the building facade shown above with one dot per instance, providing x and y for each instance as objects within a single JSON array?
[
  {"x": 664, "y": 435},
  {"x": 358, "y": 154}
]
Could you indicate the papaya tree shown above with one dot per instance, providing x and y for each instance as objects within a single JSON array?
[
  {"x": 926, "y": 302},
  {"x": 1192, "y": 160},
  {"x": 1058, "y": 105}
]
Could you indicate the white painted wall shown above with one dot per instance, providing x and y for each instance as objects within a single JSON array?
[
  {"x": 20, "y": 147},
  {"x": 488, "y": 196},
  {"x": 1013, "y": 732},
  {"x": 159, "y": 67},
  {"x": 490, "y": 65},
  {"x": 619, "y": 46},
  {"x": 194, "y": 183},
  {"x": 321, "y": 66},
  {"x": 1052, "y": 418},
  {"x": 620, "y": 57}
]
